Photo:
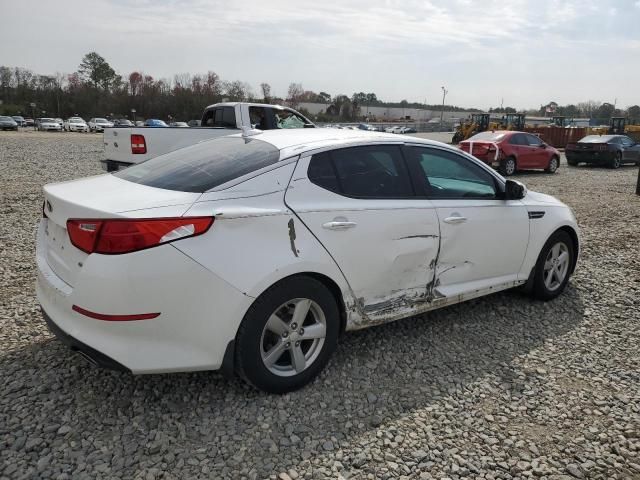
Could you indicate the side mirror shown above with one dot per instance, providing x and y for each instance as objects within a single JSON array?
[{"x": 514, "y": 190}]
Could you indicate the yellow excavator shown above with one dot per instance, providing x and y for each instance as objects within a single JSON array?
[
  {"x": 512, "y": 121},
  {"x": 618, "y": 126},
  {"x": 476, "y": 123}
]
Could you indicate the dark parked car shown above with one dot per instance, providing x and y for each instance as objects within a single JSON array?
[
  {"x": 8, "y": 123},
  {"x": 123, "y": 122},
  {"x": 609, "y": 150},
  {"x": 193, "y": 123}
]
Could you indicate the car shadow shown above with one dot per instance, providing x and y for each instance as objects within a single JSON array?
[{"x": 377, "y": 376}]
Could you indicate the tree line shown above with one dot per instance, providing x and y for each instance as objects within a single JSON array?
[{"x": 95, "y": 89}]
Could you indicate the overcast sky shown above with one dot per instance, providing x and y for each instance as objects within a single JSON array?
[{"x": 526, "y": 52}]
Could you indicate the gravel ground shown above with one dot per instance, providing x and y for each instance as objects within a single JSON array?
[{"x": 500, "y": 387}]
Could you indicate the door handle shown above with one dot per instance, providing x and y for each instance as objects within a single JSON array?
[
  {"x": 455, "y": 219},
  {"x": 338, "y": 225}
]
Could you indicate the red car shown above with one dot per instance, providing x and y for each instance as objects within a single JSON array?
[{"x": 510, "y": 151}]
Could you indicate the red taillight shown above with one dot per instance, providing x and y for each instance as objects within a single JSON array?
[
  {"x": 114, "y": 236},
  {"x": 138, "y": 144}
]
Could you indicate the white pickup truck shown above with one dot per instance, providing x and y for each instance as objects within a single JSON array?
[{"x": 126, "y": 146}]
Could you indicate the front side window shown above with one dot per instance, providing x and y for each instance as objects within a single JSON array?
[
  {"x": 222, "y": 117},
  {"x": 203, "y": 166},
  {"x": 534, "y": 141},
  {"x": 449, "y": 175},
  {"x": 363, "y": 172},
  {"x": 627, "y": 142}
]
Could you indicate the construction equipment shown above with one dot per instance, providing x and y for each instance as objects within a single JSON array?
[
  {"x": 617, "y": 126},
  {"x": 478, "y": 122},
  {"x": 513, "y": 121},
  {"x": 559, "y": 121}
]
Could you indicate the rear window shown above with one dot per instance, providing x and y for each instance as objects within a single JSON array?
[
  {"x": 596, "y": 139},
  {"x": 203, "y": 166},
  {"x": 487, "y": 136}
]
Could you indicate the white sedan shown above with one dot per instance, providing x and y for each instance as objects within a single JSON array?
[
  {"x": 49, "y": 125},
  {"x": 253, "y": 253},
  {"x": 75, "y": 124},
  {"x": 99, "y": 124}
]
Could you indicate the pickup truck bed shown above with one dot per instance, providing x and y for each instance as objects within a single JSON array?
[
  {"x": 119, "y": 142},
  {"x": 127, "y": 146}
]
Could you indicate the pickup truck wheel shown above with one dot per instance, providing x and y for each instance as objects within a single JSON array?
[
  {"x": 287, "y": 336},
  {"x": 507, "y": 166},
  {"x": 553, "y": 165}
]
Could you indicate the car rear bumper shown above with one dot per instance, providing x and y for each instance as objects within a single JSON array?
[
  {"x": 590, "y": 157},
  {"x": 199, "y": 312},
  {"x": 91, "y": 354}
]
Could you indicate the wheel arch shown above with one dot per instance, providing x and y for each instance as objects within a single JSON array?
[{"x": 576, "y": 243}]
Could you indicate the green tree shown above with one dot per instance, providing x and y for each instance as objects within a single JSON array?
[
  {"x": 94, "y": 69},
  {"x": 634, "y": 113}
]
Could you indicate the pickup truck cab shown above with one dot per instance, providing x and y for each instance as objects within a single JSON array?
[{"x": 128, "y": 146}]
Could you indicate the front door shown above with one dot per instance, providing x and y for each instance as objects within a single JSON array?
[
  {"x": 360, "y": 204},
  {"x": 483, "y": 238}
]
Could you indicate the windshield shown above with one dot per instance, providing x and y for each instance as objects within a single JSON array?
[
  {"x": 287, "y": 119},
  {"x": 101, "y": 120},
  {"x": 76, "y": 120},
  {"x": 488, "y": 136},
  {"x": 6, "y": 119},
  {"x": 203, "y": 166},
  {"x": 51, "y": 120}
]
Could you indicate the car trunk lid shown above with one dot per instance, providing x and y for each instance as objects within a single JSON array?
[{"x": 103, "y": 196}]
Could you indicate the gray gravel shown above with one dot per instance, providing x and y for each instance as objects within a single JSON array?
[{"x": 501, "y": 387}]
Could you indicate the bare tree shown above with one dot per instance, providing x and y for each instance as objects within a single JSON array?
[
  {"x": 266, "y": 92},
  {"x": 294, "y": 94}
]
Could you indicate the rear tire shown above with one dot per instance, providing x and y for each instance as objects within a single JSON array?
[
  {"x": 287, "y": 336},
  {"x": 554, "y": 163},
  {"x": 572, "y": 163},
  {"x": 507, "y": 166},
  {"x": 554, "y": 265}
]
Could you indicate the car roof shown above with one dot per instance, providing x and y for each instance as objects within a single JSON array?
[{"x": 299, "y": 140}]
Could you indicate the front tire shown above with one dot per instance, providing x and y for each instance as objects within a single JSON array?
[
  {"x": 554, "y": 265},
  {"x": 508, "y": 166},
  {"x": 554, "y": 163},
  {"x": 287, "y": 336},
  {"x": 617, "y": 161}
]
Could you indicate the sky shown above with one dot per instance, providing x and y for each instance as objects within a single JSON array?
[{"x": 522, "y": 53}]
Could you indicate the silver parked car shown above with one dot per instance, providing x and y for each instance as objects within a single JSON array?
[{"x": 8, "y": 123}]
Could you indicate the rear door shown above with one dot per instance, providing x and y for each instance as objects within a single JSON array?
[
  {"x": 483, "y": 238},
  {"x": 525, "y": 157},
  {"x": 360, "y": 204}
]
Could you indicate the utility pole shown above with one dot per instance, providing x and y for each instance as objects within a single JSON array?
[{"x": 444, "y": 94}]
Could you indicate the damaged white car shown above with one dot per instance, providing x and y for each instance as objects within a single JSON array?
[{"x": 252, "y": 253}]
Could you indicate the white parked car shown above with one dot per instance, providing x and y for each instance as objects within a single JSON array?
[
  {"x": 395, "y": 129},
  {"x": 253, "y": 253},
  {"x": 99, "y": 124},
  {"x": 49, "y": 124},
  {"x": 75, "y": 124}
]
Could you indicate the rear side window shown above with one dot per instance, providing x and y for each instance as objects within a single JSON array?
[
  {"x": 224, "y": 117},
  {"x": 363, "y": 172},
  {"x": 518, "y": 139},
  {"x": 203, "y": 166}
]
